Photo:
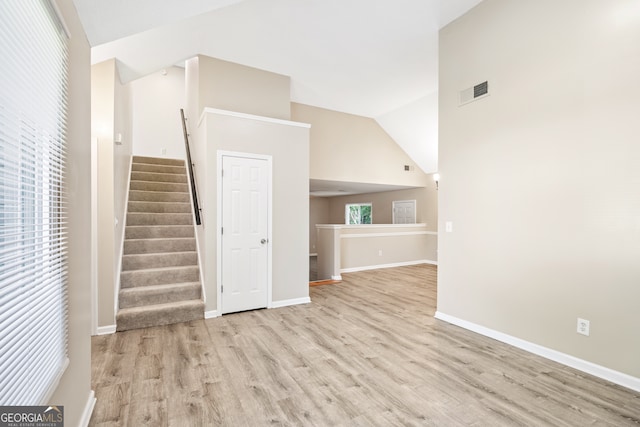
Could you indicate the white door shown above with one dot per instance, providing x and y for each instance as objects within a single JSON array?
[
  {"x": 245, "y": 220},
  {"x": 404, "y": 212}
]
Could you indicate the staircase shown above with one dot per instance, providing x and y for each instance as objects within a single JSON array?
[{"x": 160, "y": 279}]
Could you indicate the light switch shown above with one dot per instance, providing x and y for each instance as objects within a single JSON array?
[{"x": 448, "y": 226}]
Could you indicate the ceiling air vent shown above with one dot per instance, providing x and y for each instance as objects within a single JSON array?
[{"x": 474, "y": 93}]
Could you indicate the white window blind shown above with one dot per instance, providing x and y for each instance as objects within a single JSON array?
[{"x": 33, "y": 299}]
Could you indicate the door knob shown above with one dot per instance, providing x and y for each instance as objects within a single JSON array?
[{"x": 263, "y": 241}]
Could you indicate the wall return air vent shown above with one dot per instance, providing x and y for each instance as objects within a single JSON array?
[{"x": 474, "y": 93}]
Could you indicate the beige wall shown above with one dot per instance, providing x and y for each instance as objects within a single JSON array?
[
  {"x": 110, "y": 115},
  {"x": 345, "y": 147},
  {"x": 74, "y": 390},
  {"x": 157, "y": 100},
  {"x": 366, "y": 246},
  {"x": 318, "y": 214},
  {"x": 328, "y": 249},
  {"x": 234, "y": 87},
  {"x": 540, "y": 179},
  {"x": 213, "y": 83},
  {"x": 290, "y": 195},
  {"x": 381, "y": 204},
  {"x": 191, "y": 93},
  {"x": 102, "y": 127}
]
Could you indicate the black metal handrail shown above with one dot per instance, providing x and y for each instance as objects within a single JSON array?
[{"x": 194, "y": 194}]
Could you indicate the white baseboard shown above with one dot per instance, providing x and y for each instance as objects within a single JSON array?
[
  {"x": 395, "y": 264},
  {"x": 106, "y": 330},
  {"x": 336, "y": 277},
  {"x": 88, "y": 410},
  {"x": 599, "y": 371},
  {"x": 288, "y": 302},
  {"x": 211, "y": 314}
]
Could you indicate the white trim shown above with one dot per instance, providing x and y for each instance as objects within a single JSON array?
[
  {"x": 269, "y": 159},
  {"x": 88, "y": 409},
  {"x": 330, "y": 226},
  {"x": 398, "y": 233},
  {"x": 209, "y": 110},
  {"x": 94, "y": 236},
  {"x": 288, "y": 302},
  {"x": 392, "y": 265},
  {"x": 599, "y": 371},
  {"x": 106, "y": 330},
  {"x": 211, "y": 314},
  {"x": 365, "y": 226},
  {"x": 116, "y": 304},
  {"x": 336, "y": 277},
  {"x": 422, "y": 224},
  {"x": 218, "y": 228}
]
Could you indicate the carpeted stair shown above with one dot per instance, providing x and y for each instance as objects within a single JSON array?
[{"x": 160, "y": 279}]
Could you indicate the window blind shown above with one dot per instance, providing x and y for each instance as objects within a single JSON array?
[{"x": 33, "y": 272}]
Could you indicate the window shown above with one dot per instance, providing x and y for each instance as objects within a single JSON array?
[
  {"x": 33, "y": 260},
  {"x": 357, "y": 213}
]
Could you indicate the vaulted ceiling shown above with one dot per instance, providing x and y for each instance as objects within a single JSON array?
[{"x": 374, "y": 58}]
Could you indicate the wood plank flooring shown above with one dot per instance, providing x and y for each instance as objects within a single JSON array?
[{"x": 366, "y": 352}]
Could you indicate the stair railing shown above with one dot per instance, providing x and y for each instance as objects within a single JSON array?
[{"x": 194, "y": 193}]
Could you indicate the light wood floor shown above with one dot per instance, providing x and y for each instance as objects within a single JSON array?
[{"x": 366, "y": 352}]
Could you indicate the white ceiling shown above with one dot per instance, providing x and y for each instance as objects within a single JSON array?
[{"x": 374, "y": 58}]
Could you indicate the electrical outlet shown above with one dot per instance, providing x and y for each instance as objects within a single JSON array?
[
  {"x": 380, "y": 253},
  {"x": 448, "y": 227},
  {"x": 583, "y": 327},
  {"x": 164, "y": 151}
]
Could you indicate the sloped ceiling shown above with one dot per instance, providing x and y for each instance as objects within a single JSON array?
[{"x": 374, "y": 58}]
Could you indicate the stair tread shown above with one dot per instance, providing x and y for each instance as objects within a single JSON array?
[
  {"x": 161, "y": 173},
  {"x": 153, "y": 269},
  {"x": 161, "y": 307},
  {"x": 164, "y": 168},
  {"x": 153, "y": 254},
  {"x": 151, "y": 288},
  {"x": 148, "y": 160},
  {"x": 159, "y": 225},
  {"x": 159, "y": 213},
  {"x": 156, "y": 191},
  {"x": 161, "y": 238},
  {"x": 157, "y": 182},
  {"x": 159, "y": 201},
  {"x": 162, "y": 191}
]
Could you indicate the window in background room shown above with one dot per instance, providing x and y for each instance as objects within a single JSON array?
[
  {"x": 33, "y": 223},
  {"x": 358, "y": 213}
]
